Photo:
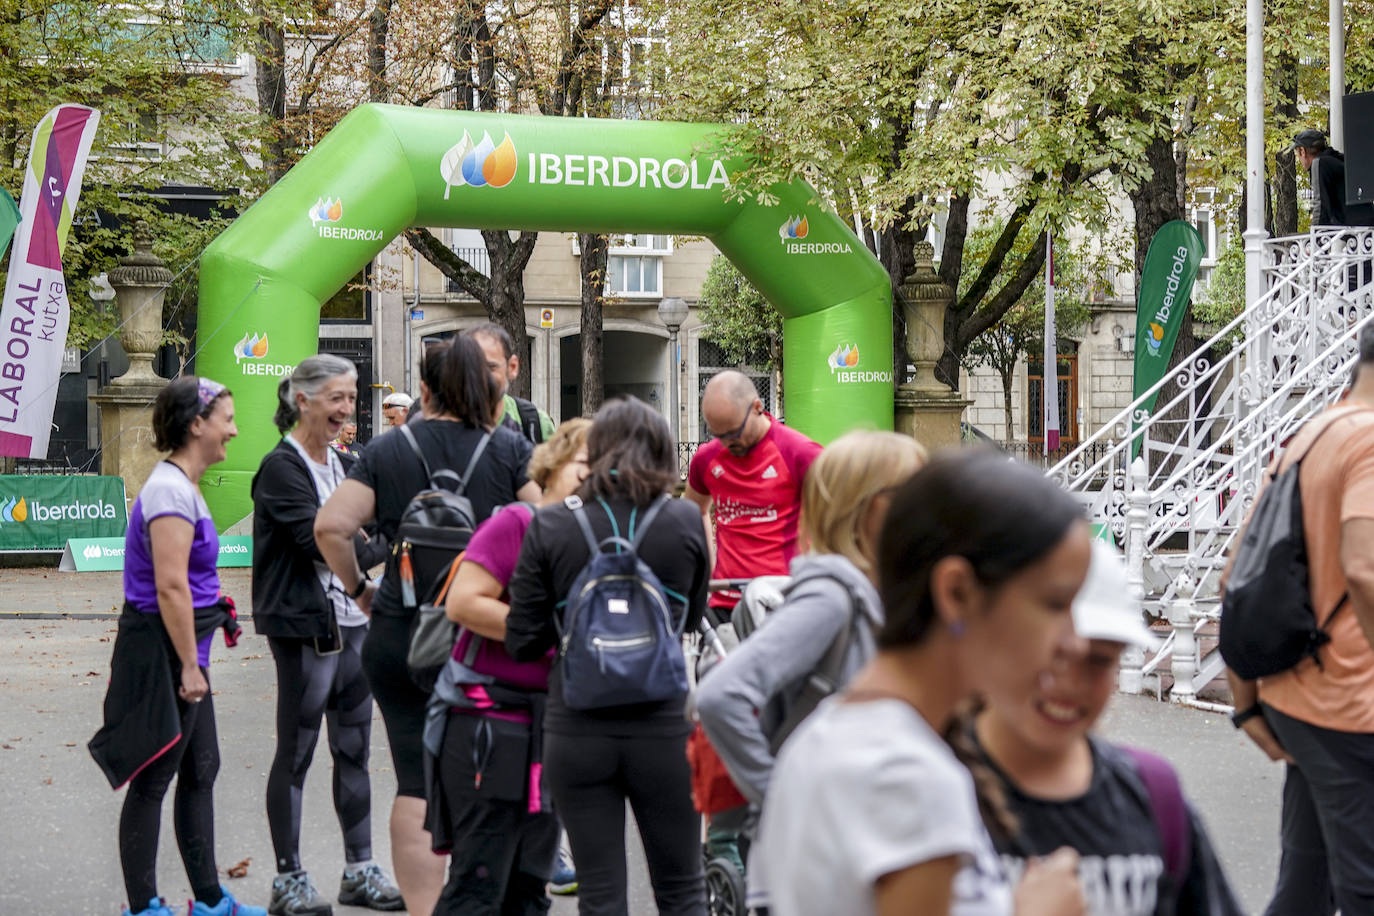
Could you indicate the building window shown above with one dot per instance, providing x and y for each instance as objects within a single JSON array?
[
  {"x": 634, "y": 266},
  {"x": 712, "y": 359},
  {"x": 1068, "y": 401},
  {"x": 353, "y": 303}
]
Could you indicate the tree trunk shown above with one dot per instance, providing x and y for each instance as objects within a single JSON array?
[
  {"x": 592, "y": 263},
  {"x": 506, "y": 302},
  {"x": 898, "y": 259},
  {"x": 271, "y": 85},
  {"x": 379, "y": 23},
  {"x": 1285, "y": 167}
]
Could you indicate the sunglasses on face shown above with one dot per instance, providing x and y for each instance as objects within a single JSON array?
[{"x": 739, "y": 430}]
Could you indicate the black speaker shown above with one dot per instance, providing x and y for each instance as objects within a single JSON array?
[{"x": 1359, "y": 147}]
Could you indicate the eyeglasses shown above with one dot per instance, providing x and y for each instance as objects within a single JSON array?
[{"x": 739, "y": 430}]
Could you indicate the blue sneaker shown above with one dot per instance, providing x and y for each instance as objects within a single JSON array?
[
  {"x": 227, "y": 906},
  {"x": 156, "y": 907},
  {"x": 564, "y": 879}
]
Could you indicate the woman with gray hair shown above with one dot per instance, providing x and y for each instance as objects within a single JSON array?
[{"x": 315, "y": 632}]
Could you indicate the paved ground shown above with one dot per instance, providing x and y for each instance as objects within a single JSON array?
[{"x": 58, "y": 816}]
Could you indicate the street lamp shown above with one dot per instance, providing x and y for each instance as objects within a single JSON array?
[{"x": 673, "y": 312}]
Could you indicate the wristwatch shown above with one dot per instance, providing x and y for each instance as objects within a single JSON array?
[
  {"x": 362, "y": 587},
  {"x": 1245, "y": 715}
]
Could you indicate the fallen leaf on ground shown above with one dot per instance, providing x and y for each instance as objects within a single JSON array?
[{"x": 240, "y": 869}]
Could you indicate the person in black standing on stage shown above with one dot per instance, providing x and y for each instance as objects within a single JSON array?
[
  {"x": 457, "y": 394},
  {"x": 1326, "y": 166},
  {"x": 596, "y": 760},
  {"x": 316, "y": 633}
]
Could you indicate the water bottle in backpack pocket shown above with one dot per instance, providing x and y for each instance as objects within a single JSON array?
[{"x": 618, "y": 641}]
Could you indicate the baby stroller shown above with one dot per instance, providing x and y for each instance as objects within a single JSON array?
[{"x": 713, "y": 792}]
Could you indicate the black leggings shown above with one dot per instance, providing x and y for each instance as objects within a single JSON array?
[
  {"x": 194, "y": 760},
  {"x": 591, "y": 778},
  {"x": 311, "y": 686},
  {"x": 401, "y": 702}
]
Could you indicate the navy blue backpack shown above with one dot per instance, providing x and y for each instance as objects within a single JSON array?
[{"x": 617, "y": 643}]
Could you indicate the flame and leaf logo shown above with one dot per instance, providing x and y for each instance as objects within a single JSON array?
[
  {"x": 477, "y": 165},
  {"x": 794, "y": 228},
  {"x": 250, "y": 346},
  {"x": 844, "y": 357},
  {"x": 326, "y": 210},
  {"x": 1155, "y": 338},
  {"x": 14, "y": 509}
]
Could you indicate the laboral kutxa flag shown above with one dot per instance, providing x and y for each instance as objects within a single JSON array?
[
  {"x": 1166, "y": 288},
  {"x": 33, "y": 321}
]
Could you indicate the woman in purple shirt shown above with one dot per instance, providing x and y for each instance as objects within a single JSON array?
[{"x": 159, "y": 712}]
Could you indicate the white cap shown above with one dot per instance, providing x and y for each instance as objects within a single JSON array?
[
  {"x": 398, "y": 399},
  {"x": 1104, "y": 608}
]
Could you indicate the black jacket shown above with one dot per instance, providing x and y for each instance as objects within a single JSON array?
[
  {"x": 142, "y": 718},
  {"x": 288, "y": 600},
  {"x": 1332, "y": 208}
]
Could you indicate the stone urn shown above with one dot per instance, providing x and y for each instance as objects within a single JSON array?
[
  {"x": 140, "y": 283},
  {"x": 926, "y": 299}
]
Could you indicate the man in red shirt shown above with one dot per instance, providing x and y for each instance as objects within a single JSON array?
[{"x": 751, "y": 473}]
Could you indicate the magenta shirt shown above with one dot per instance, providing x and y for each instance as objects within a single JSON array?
[{"x": 495, "y": 546}]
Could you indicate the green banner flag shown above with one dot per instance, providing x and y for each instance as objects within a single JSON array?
[
  {"x": 1166, "y": 287},
  {"x": 43, "y": 512},
  {"x": 9, "y": 219}
]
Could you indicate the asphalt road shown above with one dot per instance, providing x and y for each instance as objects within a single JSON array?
[{"x": 58, "y": 816}]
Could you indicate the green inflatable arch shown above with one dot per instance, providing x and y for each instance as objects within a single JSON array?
[{"x": 385, "y": 168}]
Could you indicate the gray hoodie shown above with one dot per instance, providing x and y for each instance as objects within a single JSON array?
[{"x": 776, "y": 660}]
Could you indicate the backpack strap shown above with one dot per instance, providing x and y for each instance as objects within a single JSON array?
[
  {"x": 651, "y": 513},
  {"x": 472, "y": 462},
  {"x": 574, "y": 503},
  {"x": 530, "y": 424},
  {"x": 1169, "y": 809},
  {"x": 415, "y": 447}
]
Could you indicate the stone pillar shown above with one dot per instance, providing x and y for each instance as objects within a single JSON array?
[
  {"x": 126, "y": 404},
  {"x": 926, "y": 407}
]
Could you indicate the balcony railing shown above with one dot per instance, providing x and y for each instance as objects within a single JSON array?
[{"x": 479, "y": 260}]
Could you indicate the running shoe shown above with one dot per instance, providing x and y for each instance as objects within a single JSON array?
[
  {"x": 369, "y": 886},
  {"x": 294, "y": 895},
  {"x": 564, "y": 879},
  {"x": 156, "y": 907},
  {"x": 227, "y": 906}
]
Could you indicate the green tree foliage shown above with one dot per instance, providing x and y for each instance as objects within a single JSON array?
[
  {"x": 1049, "y": 113},
  {"x": 168, "y": 116},
  {"x": 739, "y": 319}
]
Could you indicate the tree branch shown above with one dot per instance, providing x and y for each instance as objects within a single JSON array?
[{"x": 450, "y": 265}]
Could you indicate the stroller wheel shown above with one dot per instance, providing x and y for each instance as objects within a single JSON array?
[{"x": 724, "y": 888}]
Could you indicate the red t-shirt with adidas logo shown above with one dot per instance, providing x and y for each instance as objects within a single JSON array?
[{"x": 757, "y": 502}]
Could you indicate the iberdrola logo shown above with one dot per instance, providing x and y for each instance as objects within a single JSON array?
[
  {"x": 794, "y": 228},
  {"x": 479, "y": 164},
  {"x": 250, "y": 346},
  {"x": 14, "y": 509},
  {"x": 843, "y": 358},
  {"x": 326, "y": 211},
  {"x": 1154, "y": 338}
]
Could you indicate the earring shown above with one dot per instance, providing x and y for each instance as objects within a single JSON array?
[{"x": 956, "y": 629}]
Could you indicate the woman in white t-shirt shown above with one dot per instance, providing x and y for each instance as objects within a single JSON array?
[
  {"x": 868, "y": 810},
  {"x": 315, "y": 631}
]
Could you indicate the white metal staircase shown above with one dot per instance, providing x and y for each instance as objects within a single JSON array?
[{"x": 1200, "y": 454}]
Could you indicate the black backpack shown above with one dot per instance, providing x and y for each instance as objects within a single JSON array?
[
  {"x": 435, "y": 527},
  {"x": 530, "y": 426},
  {"x": 618, "y": 643},
  {"x": 1268, "y": 624}
]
